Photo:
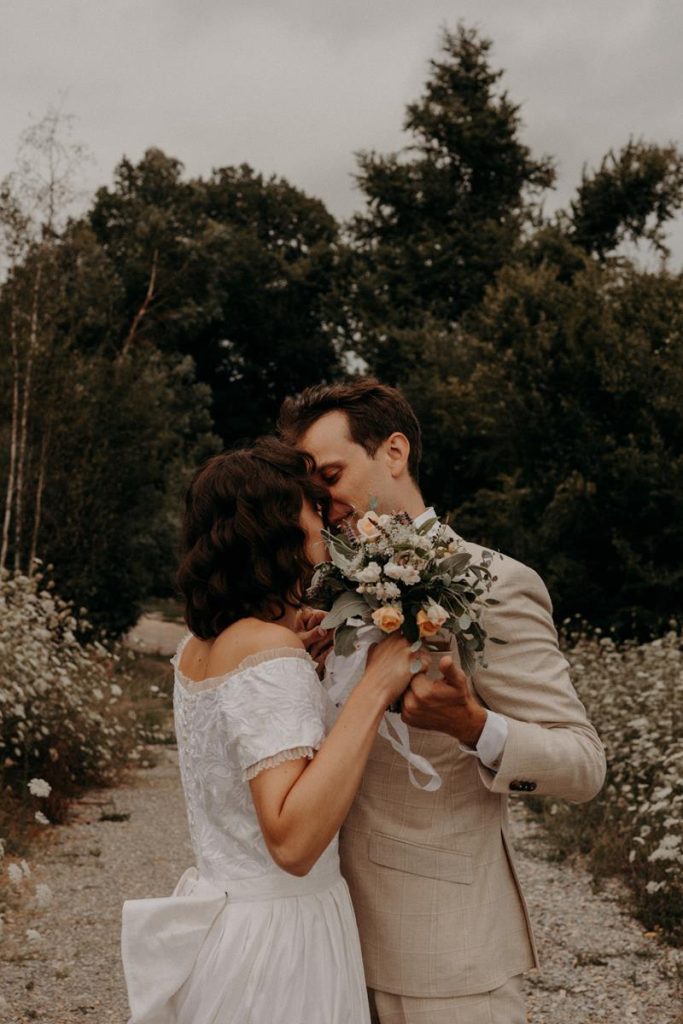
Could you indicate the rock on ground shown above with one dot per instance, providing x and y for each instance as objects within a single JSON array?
[{"x": 599, "y": 967}]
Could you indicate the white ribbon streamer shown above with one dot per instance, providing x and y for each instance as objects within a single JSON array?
[{"x": 342, "y": 675}]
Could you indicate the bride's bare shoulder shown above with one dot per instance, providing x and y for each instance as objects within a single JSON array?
[
  {"x": 245, "y": 638},
  {"x": 207, "y": 659}
]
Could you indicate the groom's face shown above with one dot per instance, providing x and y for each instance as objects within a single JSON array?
[{"x": 351, "y": 476}]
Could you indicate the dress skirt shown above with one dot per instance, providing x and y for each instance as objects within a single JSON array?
[{"x": 276, "y": 949}]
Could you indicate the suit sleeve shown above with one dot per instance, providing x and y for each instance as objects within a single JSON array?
[{"x": 551, "y": 747}]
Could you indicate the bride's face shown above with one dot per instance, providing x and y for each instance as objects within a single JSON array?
[{"x": 311, "y": 523}]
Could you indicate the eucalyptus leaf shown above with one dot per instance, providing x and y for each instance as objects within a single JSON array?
[
  {"x": 424, "y": 528},
  {"x": 416, "y": 646},
  {"x": 339, "y": 559},
  {"x": 455, "y": 564},
  {"x": 416, "y": 666},
  {"x": 345, "y": 641},
  {"x": 345, "y": 607}
]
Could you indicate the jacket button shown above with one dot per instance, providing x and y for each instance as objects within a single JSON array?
[{"x": 516, "y": 786}]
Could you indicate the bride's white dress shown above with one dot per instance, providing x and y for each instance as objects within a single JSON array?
[{"x": 241, "y": 941}]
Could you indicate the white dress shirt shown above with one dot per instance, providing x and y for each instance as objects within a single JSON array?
[{"x": 491, "y": 744}]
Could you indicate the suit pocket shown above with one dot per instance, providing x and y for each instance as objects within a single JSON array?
[{"x": 426, "y": 861}]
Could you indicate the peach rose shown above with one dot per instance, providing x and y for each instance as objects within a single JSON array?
[
  {"x": 388, "y": 618},
  {"x": 428, "y": 626},
  {"x": 367, "y": 526}
]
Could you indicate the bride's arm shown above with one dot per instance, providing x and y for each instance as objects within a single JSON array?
[{"x": 301, "y": 804}]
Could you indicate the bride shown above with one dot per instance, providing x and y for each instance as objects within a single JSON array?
[{"x": 262, "y": 930}]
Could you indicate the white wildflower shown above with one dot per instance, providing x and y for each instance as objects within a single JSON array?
[
  {"x": 41, "y": 819},
  {"x": 668, "y": 849},
  {"x": 39, "y": 787},
  {"x": 370, "y": 574},
  {"x": 406, "y": 573},
  {"x": 32, "y": 935},
  {"x": 25, "y": 869}
]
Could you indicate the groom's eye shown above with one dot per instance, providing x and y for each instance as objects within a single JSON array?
[{"x": 330, "y": 478}]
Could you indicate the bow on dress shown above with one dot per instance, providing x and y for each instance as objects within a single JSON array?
[{"x": 160, "y": 940}]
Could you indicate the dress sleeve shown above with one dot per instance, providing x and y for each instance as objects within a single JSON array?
[{"x": 274, "y": 711}]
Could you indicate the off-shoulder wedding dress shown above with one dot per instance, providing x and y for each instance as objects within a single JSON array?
[{"x": 241, "y": 941}]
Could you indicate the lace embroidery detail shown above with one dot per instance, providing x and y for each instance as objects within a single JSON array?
[
  {"x": 272, "y": 762},
  {"x": 193, "y": 686},
  {"x": 276, "y": 706}
]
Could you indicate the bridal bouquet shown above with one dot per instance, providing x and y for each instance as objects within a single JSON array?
[{"x": 385, "y": 571}]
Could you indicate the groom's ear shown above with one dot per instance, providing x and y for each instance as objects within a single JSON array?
[{"x": 396, "y": 450}]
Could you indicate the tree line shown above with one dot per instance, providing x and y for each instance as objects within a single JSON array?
[{"x": 172, "y": 318}]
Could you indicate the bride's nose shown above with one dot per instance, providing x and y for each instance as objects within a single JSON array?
[{"x": 338, "y": 511}]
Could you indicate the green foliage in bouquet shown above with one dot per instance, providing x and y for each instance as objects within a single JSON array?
[{"x": 389, "y": 573}]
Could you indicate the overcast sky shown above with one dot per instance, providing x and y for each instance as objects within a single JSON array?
[{"x": 295, "y": 87}]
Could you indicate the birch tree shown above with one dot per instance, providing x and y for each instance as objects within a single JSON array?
[{"x": 35, "y": 201}]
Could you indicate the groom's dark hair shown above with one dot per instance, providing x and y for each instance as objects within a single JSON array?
[{"x": 374, "y": 412}]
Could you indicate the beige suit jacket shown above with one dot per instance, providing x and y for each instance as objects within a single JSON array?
[{"x": 438, "y": 903}]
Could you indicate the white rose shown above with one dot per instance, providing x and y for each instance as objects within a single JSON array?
[
  {"x": 367, "y": 526},
  {"x": 437, "y": 614}
]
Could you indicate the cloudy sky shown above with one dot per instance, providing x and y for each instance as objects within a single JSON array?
[{"x": 295, "y": 87}]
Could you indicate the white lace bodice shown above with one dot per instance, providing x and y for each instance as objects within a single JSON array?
[{"x": 271, "y": 708}]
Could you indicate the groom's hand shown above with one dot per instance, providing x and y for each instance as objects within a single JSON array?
[{"x": 446, "y": 704}]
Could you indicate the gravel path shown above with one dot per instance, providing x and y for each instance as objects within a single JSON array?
[{"x": 599, "y": 966}]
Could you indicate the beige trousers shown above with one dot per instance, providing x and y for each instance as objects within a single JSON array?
[{"x": 504, "y": 1005}]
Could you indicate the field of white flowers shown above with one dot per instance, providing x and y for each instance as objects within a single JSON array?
[
  {"x": 67, "y": 719},
  {"x": 634, "y": 696}
]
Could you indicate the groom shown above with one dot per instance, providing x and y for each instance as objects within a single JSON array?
[{"x": 443, "y": 923}]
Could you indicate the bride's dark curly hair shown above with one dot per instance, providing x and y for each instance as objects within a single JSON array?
[{"x": 242, "y": 546}]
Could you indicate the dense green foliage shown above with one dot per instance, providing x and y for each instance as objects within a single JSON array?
[
  {"x": 240, "y": 273},
  {"x": 545, "y": 366}
]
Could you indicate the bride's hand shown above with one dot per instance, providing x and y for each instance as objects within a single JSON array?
[
  {"x": 316, "y": 639},
  {"x": 390, "y": 665}
]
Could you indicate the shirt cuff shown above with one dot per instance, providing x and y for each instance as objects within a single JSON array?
[{"x": 491, "y": 743}]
